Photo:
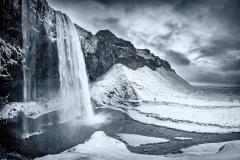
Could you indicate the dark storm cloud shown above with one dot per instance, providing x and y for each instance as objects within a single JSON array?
[
  {"x": 220, "y": 47},
  {"x": 177, "y": 58},
  {"x": 233, "y": 65},
  {"x": 112, "y": 20}
]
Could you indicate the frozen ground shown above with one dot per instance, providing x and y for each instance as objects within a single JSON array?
[
  {"x": 137, "y": 140},
  {"x": 163, "y": 98},
  {"x": 102, "y": 147}
]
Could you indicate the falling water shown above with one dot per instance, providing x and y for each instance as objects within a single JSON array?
[
  {"x": 74, "y": 88},
  {"x": 26, "y": 77}
]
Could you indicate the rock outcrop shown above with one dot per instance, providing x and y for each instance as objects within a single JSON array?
[
  {"x": 104, "y": 49},
  {"x": 10, "y": 71},
  {"x": 37, "y": 42}
]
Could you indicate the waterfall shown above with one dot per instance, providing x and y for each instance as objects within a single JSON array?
[
  {"x": 74, "y": 87},
  {"x": 26, "y": 74}
]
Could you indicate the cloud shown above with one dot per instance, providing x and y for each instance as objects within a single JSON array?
[
  {"x": 202, "y": 35},
  {"x": 233, "y": 65},
  {"x": 112, "y": 20},
  {"x": 177, "y": 58}
]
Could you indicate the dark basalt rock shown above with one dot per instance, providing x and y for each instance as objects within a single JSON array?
[
  {"x": 40, "y": 54},
  {"x": 104, "y": 49},
  {"x": 10, "y": 21},
  {"x": 11, "y": 72}
]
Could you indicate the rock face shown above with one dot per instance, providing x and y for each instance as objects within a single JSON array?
[
  {"x": 39, "y": 49},
  {"x": 36, "y": 43},
  {"x": 39, "y": 44},
  {"x": 10, "y": 50},
  {"x": 10, "y": 21},
  {"x": 11, "y": 71},
  {"x": 104, "y": 49}
]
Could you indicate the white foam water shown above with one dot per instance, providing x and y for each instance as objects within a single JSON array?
[{"x": 74, "y": 87}]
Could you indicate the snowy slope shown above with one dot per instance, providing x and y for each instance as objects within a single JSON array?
[
  {"x": 102, "y": 147},
  {"x": 163, "y": 98},
  {"x": 113, "y": 88},
  {"x": 121, "y": 84}
]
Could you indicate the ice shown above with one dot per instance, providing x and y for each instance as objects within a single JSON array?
[
  {"x": 137, "y": 140},
  {"x": 182, "y": 138},
  {"x": 102, "y": 147}
]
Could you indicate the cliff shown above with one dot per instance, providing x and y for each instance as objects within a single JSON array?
[
  {"x": 104, "y": 49},
  {"x": 37, "y": 44}
]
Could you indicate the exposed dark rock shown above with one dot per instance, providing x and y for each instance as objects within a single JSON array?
[
  {"x": 104, "y": 49},
  {"x": 41, "y": 54},
  {"x": 153, "y": 61},
  {"x": 10, "y": 21},
  {"x": 11, "y": 71},
  {"x": 37, "y": 40}
]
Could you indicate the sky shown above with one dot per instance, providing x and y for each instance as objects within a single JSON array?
[{"x": 199, "y": 38}]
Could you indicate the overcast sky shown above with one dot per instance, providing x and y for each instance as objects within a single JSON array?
[{"x": 200, "y": 38}]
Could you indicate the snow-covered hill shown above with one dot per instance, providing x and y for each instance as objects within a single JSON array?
[
  {"x": 163, "y": 98},
  {"x": 122, "y": 84}
]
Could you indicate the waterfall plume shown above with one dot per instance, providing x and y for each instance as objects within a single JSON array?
[{"x": 74, "y": 87}]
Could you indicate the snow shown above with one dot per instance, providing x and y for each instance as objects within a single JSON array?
[
  {"x": 137, "y": 140},
  {"x": 208, "y": 148},
  {"x": 31, "y": 109},
  {"x": 221, "y": 117},
  {"x": 180, "y": 125},
  {"x": 102, "y": 147},
  {"x": 25, "y": 136},
  {"x": 163, "y": 98},
  {"x": 12, "y": 109},
  {"x": 182, "y": 138},
  {"x": 154, "y": 86},
  {"x": 10, "y": 56}
]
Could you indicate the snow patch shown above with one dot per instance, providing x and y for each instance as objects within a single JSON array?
[
  {"x": 180, "y": 125},
  {"x": 11, "y": 110},
  {"x": 102, "y": 147},
  {"x": 182, "y": 138},
  {"x": 137, "y": 140}
]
